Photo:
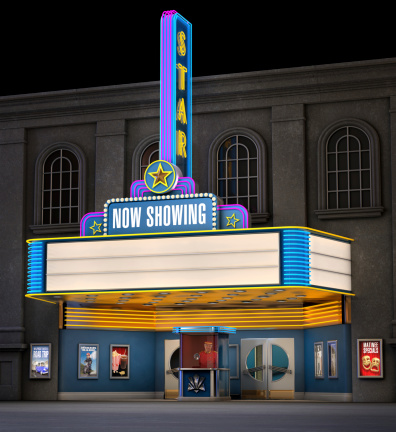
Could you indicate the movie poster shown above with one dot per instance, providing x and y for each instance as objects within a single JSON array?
[
  {"x": 119, "y": 361},
  {"x": 369, "y": 358},
  {"x": 332, "y": 364},
  {"x": 40, "y": 361},
  {"x": 318, "y": 359},
  {"x": 88, "y": 361}
]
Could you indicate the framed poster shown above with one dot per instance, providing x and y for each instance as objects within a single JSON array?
[
  {"x": 88, "y": 361},
  {"x": 40, "y": 361},
  {"x": 119, "y": 361},
  {"x": 318, "y": 358},
  {"x": 369, "y": 357},
  {"x": 332, "y": 369}
]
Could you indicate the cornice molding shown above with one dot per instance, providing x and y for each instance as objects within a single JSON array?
[{"x": 262, "y": 88}]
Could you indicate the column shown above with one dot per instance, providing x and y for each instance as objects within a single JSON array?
[
  {"x": 12, "y": 261},
  {"x": 110, "y": 161},
  {"x": 393, "y": 188},
  {"x": 288, "y": 165}
]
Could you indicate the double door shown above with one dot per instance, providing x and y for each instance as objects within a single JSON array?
[{"x": 267, "y": 368}]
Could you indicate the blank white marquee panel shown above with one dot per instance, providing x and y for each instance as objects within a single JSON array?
[
  {"x": 179, "y": 262},
  {"x": 330, "y": 263}
]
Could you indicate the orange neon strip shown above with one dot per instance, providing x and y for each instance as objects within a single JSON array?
[
  {"x": 170, "y": 327},
  {"x": 332, "y": 310},
  {"x": 104, "y": 317},
  {"x": 109, "y": 326},
  {"x": 112, "y": 310},
  {"x": 300, "y": 317},
  {"x": 328, "y": 304}
]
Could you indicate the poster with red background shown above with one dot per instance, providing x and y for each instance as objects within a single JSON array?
[
  {"x": 119, "y": 361},
  {"x": 370, "y": 358}
]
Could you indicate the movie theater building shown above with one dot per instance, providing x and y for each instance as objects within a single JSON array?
[{"x": 101, "y": 272}]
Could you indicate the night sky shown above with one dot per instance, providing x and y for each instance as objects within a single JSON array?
[{"x": 67, "y": 48}]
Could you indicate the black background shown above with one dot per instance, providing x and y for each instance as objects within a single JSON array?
[{"x": 63, "y": 46}]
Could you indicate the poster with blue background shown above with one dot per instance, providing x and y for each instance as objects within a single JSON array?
[
  {"x": 88, "y": 361},
  {"x": 40, "y": 361}
]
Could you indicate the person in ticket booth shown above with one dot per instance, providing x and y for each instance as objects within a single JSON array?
[{"x": 208, "y": 357}]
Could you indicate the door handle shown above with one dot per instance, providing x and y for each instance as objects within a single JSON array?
[
  {"x": 255, "y": 369},
  {"x": 171, "y": 371},
  {"x": 279, "y": 369}
]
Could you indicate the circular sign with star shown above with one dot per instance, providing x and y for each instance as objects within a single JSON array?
[{"x": 161, "y": 176}]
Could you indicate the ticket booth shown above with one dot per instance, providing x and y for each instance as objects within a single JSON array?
[{"x": 204, "y": 372}]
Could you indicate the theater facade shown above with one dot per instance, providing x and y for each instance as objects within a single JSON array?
[{"x": 263, "y": 203}]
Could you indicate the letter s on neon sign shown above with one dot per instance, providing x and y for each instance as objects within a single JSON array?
[{"x": 181, "y": 46}]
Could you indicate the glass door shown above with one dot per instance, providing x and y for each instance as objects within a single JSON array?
[{"x": 267, "y": 368}]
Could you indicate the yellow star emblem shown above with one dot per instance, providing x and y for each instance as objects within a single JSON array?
[
  {"x": 232, "y": 220},
  {"x": 160, "y": 176},
  {"x": 94, "y": 229}
]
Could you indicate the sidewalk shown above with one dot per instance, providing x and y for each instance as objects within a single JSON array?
[{"x": 170, "y": 415}]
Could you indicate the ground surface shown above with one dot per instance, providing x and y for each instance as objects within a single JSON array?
[{"x": 164, "y": 415}]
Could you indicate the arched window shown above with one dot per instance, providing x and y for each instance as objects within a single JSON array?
[
  {"x": 59, "y": 191},
  {"x": 237, "y": 163},
  {"x": 237, "y": 172},
  {"x": 146, "y": 152},
  {"x": 149, "y": 155},
  {"x": 349, "y": 182}
]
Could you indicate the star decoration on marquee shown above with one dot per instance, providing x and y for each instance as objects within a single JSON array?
[
  {"x": 95, "y": 228},
  {"x": 232, "y": 220},
  {"x": 160, "y": 176}
]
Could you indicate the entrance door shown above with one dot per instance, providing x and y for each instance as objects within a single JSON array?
[
  {"x": 172, "y": 361},
  {"x": 267, "y": 368}
]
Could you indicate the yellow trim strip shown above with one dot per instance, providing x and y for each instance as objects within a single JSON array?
[
  {"x": 34, "y": 298},
  {"x": 173, "y": 290},
  {"x": 194, "y": 232}
]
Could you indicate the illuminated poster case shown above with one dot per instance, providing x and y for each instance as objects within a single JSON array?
[
  {"x": 40, "y": 361},
  {"x": 369, "y": 356},
  {"x": 88, "y": 361},
  {"x": 119, "y": 361}
]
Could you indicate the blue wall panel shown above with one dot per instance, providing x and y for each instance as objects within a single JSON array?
[
  {"x": 342, "y": 384},
  {"x": 147, "y": 359},
  {"x": 142, "y": 361}
]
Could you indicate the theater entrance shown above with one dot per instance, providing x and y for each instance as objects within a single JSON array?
[
  {"x": 267, "y": 368},
  {"x": 172, "y": 362}
]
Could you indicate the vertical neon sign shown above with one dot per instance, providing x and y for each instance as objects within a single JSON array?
[{"x": 176, "y": 105}]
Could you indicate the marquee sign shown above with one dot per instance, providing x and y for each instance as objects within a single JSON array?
[
  {"x": 286, "y": 257},
  {"x": 176, "y": 104},
  {"x": 166, "y": 199},
  {"x": 161, "y": 214},
  {"x": 161, "y": 177}
]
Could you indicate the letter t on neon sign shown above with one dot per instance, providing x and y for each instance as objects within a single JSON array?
[{"x": 176, "y": 105}]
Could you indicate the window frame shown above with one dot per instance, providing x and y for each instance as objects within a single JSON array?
[
  {"x": 39, "y": 226},
  {"x": 138, "y": 154},
  {"x": 262, "y": 215},
  {"x": 375, "y": 209}
]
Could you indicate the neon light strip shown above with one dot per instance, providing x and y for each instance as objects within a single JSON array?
[
  {"x": 218, "y": 232},
  {"x": 184, "y": 184},
  {"x": 166, "y": 86},
  {"x": 245, "y": 220},
  {"x": 169, "y": 21},
  {"x": 36, "y": 267},
  {"x": 85, "y": 218},
  {"x": 237, "y": 320},
  {"x": 296, "y": 257}
]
